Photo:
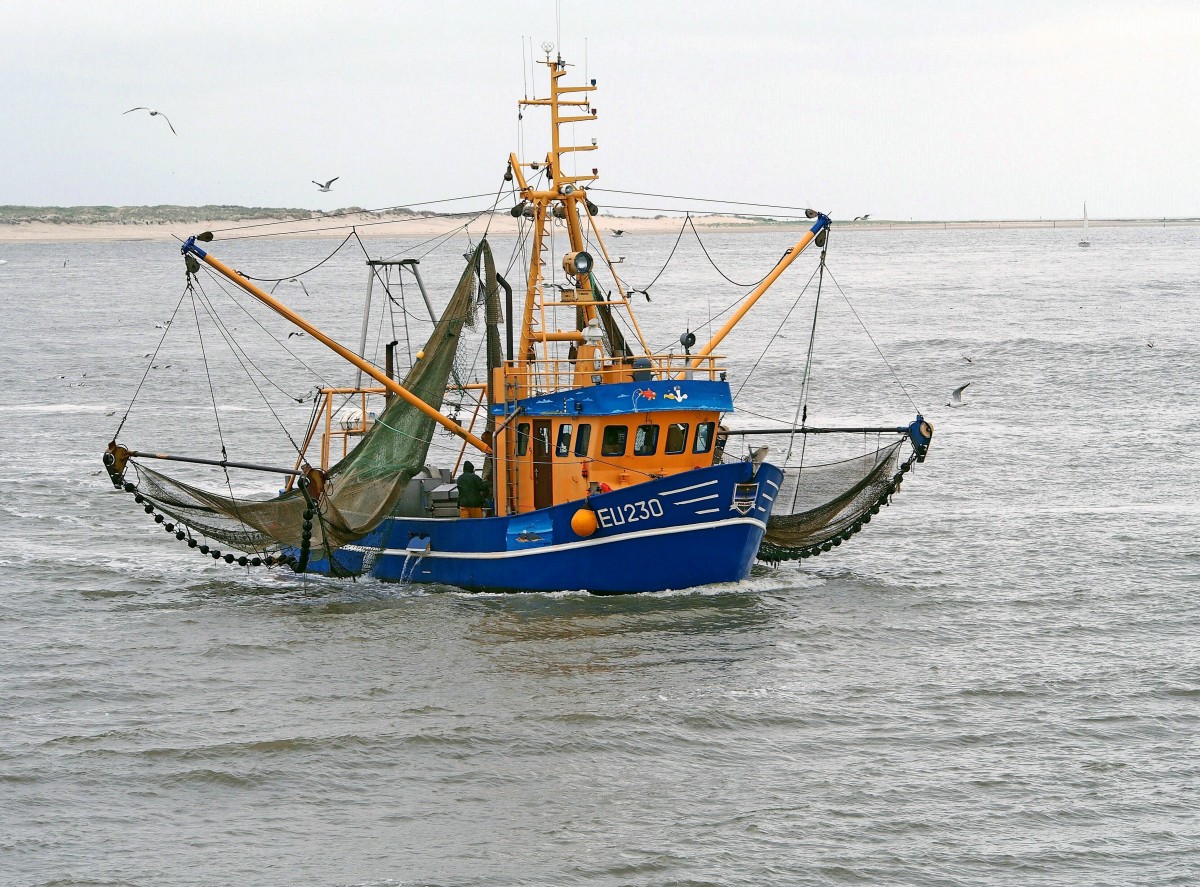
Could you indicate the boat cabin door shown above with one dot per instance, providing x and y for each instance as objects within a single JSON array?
[{"x": 543, "y": 466}]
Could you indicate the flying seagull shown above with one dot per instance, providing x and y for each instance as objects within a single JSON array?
[
  {"x": 862, "y": 218},
  {"x": 153, "y": 113},
  {"x": 956, "y": 396},
  {"x": 618, "y": 232},
  {"x": 327, "y": 185},
  {"x": 291, "y": 280}
]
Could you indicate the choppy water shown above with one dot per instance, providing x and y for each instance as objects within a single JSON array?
[{"x": 998, "y": 683}]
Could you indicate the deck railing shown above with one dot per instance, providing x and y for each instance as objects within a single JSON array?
[{"x": 548, "y": 376}]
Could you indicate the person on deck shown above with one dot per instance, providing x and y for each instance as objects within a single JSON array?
[{"x": 472, "y": 492}]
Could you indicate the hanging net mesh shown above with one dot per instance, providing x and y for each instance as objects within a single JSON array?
[
  {"x": 818, "y": 504},
  {"x": 362, "y": 488}
]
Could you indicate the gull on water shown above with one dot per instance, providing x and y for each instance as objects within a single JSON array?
[
  {"x": 956, "y": 396},
  {"x": 327, "y": 185},
  {"x": 153, "y": 113}
]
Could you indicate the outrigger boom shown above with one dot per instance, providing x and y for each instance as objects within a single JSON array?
[{"x": 190, "y": 248}]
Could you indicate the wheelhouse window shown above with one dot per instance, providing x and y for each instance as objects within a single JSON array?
[
  {"x": 704, "y": 437},
  {"x": 677, "y": 433},
  {"x": 645, "y": 441},
  {"x": 522, "y": 438},
  {"x": 582, "y": 439},
  {"x": 541, "y": 441},
  {"x": 614, "y": 440},
  {"x": 562, "y": 446}
]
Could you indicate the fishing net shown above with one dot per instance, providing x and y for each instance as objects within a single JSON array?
[
  {"x": 614, "y": 341},
  {"x": 361, "y": 489},
  {"x": 817, "y": 507}
]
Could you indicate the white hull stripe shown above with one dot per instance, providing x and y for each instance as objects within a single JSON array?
[
  {"x": 707, "y": 483},
  {"x": 709, "y": 511},
  {"x": 772, "y": 483},
  {"x": 697, "y": 499},
  {"x": 565, "y": 546}
]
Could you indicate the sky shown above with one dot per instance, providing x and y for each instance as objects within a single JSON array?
[{"x": 905, "y": 110}]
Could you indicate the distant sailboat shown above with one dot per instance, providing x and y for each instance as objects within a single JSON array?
[{"x": 1085, "y": 241}]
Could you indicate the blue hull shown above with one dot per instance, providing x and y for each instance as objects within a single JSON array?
[{"x": 676, "y": 532}]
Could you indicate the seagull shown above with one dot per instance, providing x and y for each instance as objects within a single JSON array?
[
  {"x": 862, "y": 218},
  {"x": 153, "y": 113},
  {"x": 967, "y": 359},
  {"x": 295, "y": 333},
  {"x": 956, "y": 396},
  {"x": 327, "y": 185},
  {"x": 162, "y": 326},
  {"x": 292, "y": 280},
  {"x": 1150, "y": 344},
  {"x": 618, "y": 232}
]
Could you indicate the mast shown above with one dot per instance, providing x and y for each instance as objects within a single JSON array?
[{"x": 562, "y": 196}]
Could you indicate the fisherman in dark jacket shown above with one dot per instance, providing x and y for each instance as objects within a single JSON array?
[{"x": 472, "y": 492}]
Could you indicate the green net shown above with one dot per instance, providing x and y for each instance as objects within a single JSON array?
[
  {"x": 362, "y": 488},
  {"x": 818, "y": 504}
]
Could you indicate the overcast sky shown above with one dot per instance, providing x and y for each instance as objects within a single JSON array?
[{"x": 953, "y": 110}]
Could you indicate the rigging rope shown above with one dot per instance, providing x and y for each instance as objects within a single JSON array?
[
  {"x": 346, "y": 212},
  {"x": 718, "y": 270},
  {"x": 804, "y": 385},
  {"x": 229, "y": 294},
  {"x": 676, "y": 209},
  {"x": 775, "y": 335},
  {"x": 235, "y": 348},
  {"x": 645, "y": 291},
  {"x": 869, "y": 336},
  {"x": 415, "y": 218},
  {"x": 204, "y": 358},
  {"x": 150, "y": 362},
  {"x": 701, "y": 199},
  {"x": 306, "y": 271}
]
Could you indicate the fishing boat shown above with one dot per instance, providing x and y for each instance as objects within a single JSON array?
[{"x": 604, "y": 464}]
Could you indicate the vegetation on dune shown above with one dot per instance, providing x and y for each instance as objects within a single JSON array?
[{"x": 169, "y": 214}]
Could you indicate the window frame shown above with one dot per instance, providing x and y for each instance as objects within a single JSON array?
[
  {"x": 712, "y": 436},
  {"x": 583, "y": 440},
  {"x": 561, "y": 451},
  {"x": 653, "y": 430},
  {"x": 604, "y": 445},
  {"x": 683, "y": 443},
  {"x": 524, "y": 436}
]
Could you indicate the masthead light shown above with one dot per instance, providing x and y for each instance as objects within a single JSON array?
[{"x": 577, "y": 263}]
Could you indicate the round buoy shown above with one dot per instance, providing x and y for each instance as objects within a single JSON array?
[
  {"x": 421, "y": 354},
  {"x": 584, "y": 522}
]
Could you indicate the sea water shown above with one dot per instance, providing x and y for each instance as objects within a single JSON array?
[{"x": 997, "y": 683}]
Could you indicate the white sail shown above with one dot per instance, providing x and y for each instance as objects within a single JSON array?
[{"x": 1085, "y": 241}]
